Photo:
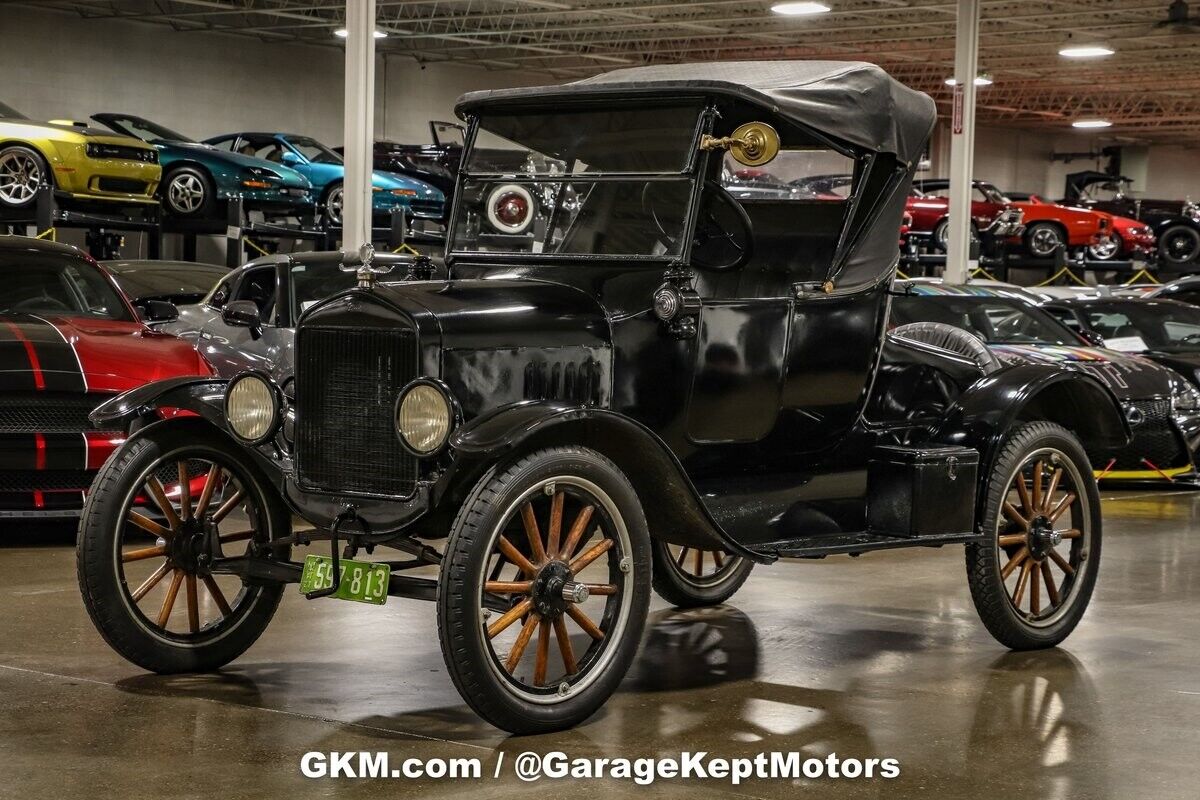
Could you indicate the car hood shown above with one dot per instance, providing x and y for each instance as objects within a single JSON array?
[
  {"x": 391, "y": 180},
  {"x": 1129, "y": 376},
  {"x": 63, "y": 353},
  {"x": 206, "y": 152},
  {"x": 1186, "y": 363}
]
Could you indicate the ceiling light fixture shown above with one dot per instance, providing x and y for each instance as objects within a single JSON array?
[
  {"x": 799, "y": 9},
  {"x": 1085, "y": 51},
  {"x": 342, "y": 33},
  {"x": 980, "y": 80},
  {"x": 1091, "y": 123}
]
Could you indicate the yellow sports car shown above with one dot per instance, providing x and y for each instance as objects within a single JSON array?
[{"x": 80, "y": 163}]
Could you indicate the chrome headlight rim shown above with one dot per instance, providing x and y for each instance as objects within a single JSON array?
[
  {"x": 453, "y": 415},
  {"x": 276, "y": 406}
]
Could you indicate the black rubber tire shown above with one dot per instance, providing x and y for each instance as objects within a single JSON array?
[
  {"x": 1172, "y": 261},
  {"x": 466, "y": 654},
  {"x": 1050, "y": 227},
  {"x": 983, "y": 565},
  {"x": 683, "y": 591},
  {"x": 939, "y": 231},
  {"x": 327, "y": 219},
  {"x": 47, "y": 177},
  {"x": 207, "y": 204},
  {"x": 99, "y": 583}
]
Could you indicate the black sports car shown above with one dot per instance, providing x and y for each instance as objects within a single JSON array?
[{"x": 1163, "y": 411}]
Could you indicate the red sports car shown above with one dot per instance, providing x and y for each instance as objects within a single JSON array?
[
  {"x": 68, "y": 341},
  {"x": 929, "y": 206}
]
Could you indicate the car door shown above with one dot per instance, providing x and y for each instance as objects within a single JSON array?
[{"x": 232, "y": 349}]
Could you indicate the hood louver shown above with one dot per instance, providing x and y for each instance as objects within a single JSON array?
[{"x": 571, "y": 381}]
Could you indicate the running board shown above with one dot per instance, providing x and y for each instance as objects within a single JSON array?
[{"x": 857, "y": 543}]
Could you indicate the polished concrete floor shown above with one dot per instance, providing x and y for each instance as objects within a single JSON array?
[{"x": 876, "y": 657}]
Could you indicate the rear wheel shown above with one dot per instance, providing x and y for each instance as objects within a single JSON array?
[
  {"x": 1032, "y": 580},
  {"x": 941, "y": 234},
  {"x": 1042, "y": 239},
  {"x": 689, "y": 576},
  {"x": 544, "y": 589},
  {"x": 1107, "y": 250},
  {"x": 144, "y": 552},
  {"x": 1179, "y": 245},
  {"x": 188, "y": 192},
  {"x": 332, "y": 201}
]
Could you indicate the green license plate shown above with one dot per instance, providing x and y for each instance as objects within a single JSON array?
[{"x": 362, "y": 581}]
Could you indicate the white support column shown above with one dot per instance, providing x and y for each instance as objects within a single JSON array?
[
  {"x": 359, "y": 122},
  {"x": 962, "y": 140}
]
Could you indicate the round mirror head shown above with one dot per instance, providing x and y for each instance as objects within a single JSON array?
[{"x": 754, "y": 144}]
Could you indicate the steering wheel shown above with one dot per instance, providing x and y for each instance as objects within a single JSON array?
[
  {"x": 43, "y": 303},
  {"x": 724, "y": 237}
]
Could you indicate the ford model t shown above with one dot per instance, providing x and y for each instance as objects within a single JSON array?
[{"x": 654, "y": 386}]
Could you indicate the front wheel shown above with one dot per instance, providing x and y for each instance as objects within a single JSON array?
[
  {"x": 1179, "y": 245},
  {"x": 1042, "y": 239},
  {"x": 332, "y": 203},
  {"x": 1032, "y": 579},
  {"x": 1107, "y": 250},
  {"x": 189, "y": 192},
  {"x": 158, "y": 510},
  {"x": 544, "y": 589},
  {"x": 689, "y": 577}
]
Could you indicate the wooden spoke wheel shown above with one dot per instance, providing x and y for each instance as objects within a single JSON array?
[
  {"x": 690, "y": 576},
  {"x": 160, "y": 514},
  {"x": 1031, "y": 583},
  {"x": 544, "y": 590}
]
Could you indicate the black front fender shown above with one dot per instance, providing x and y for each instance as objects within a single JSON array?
[
  {"x": 134, "y": 409},
  {"x": 672, "y": 506}
]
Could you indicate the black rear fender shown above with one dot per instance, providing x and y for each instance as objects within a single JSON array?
[{"x": 672, "y": 507}]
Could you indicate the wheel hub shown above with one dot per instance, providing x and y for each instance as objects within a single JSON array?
[
  {"x": 553, "y": 590},
  {"x": 188, "y": 549},
  {"x": 1042, "y": 537}
]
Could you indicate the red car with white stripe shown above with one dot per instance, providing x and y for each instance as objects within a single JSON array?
[{"x": 68, "y": 341}]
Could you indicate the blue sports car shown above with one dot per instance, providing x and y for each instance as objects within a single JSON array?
[
  {"x": 325, "y": 169},
  {"x": 196, "y": 177}
]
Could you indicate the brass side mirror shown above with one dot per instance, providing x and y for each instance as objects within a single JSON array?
[{"x": 752, "y": 144}]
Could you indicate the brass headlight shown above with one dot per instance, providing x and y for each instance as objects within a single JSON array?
[
  {"x": 252, "y": 408},
  {"x": 423, "y": 417}
]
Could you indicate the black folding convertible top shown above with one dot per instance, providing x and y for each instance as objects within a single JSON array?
[{"x": 851, "y": 101}]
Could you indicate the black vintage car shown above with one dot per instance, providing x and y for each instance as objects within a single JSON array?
[
  {"x": 1176, "y": 223},
  {"x": 659, "y": 388}
]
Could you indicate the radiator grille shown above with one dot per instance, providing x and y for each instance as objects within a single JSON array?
[
  {"x": 45, "y": 480},
  {"x": 1153, "y": 438},
  {"x": 124, "y": 185},
  {"x": 45, "y": 412},
  {"x": 347, "y": 382}
]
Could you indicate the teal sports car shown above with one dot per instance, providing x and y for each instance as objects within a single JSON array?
[
  {"x": 198, "y": 178},
  {"x": 425, "y": 204}
]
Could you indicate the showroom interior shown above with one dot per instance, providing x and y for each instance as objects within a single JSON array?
[{"x": 661, "y": 359}]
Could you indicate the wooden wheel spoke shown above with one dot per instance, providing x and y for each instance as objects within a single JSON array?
[
  {"x": 555, "y": 532},
  {"x": 149, "y": 525},
  {"x": 1073, "y": 533},
  {"x": 508, "y": 618},
  {"x": 151, "y": 582},
  {"x": 682, "y": 557},
  {"x": 1062, "y": 506},
  {"x": 1051, "y": 589},
  {"x": 564, "y": 646},
  {"x": 1022, "y": 582},
  {"x": 601, "y": 589},
  {"x": 585, "y": 622},
  {"x": 509, "y": 550},
  {"x": 536, "y": 549},
  {"x": 1011, "y": 539},
  {"x": 164, "y": 613},
  {"x": 142, "y": 554},
  {"x": 518, "y": 648},
  {"x": 543, "y": 654},
  {"x": 718, "y": 559},
  {"x": 1054, "y": 480},
  {"x": 229, "y": 505},
  {"x": 1038, "y": 469},
  {"x": 597, "y": 550},
  {"x": 1011, "y": 512},
  {"x": 193, "y": 605},
  {"x": 1014, "y": 562},
  {"x": 1062, "y": 562},
  {"x": 185, "y": 491},
  {"x": 1035, "y": 592},
  {"x": 576, "y": 533},
  {"x": 206, "y": 494},
  {"x": 217, "y": 596},
  {"x": 698, "y": 563},
  {"x": 1023, "y": 493},
  {"x": 164, "y": 504},
  {"x": 508, "y": 587}
]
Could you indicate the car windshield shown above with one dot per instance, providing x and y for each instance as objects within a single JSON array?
[
  {"x": 314, "y": 151},
  {"x": 180, "y": 283},
  {"x": 610, "y": 181},
  {"x": 145, "y": 130},
  {"x": 314, "y": 282},
  {"x": 8, "y": 112},
  {"x": 59, "y": 286},
  {"x": 995, "y": 320},
  {"x": 1139, "y": 326}
]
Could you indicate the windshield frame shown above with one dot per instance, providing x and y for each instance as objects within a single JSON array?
[
  {"x": 291, "y": 142},
  {"x": 8, "y": 112},
  {"x": 696, "y": 158},
  {"x": 119, "y": 123}
]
